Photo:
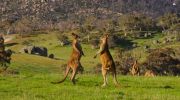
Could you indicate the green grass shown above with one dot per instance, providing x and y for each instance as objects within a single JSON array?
[
  {"x": 36, "y": 73},
  {"x": 38, "y": 86}
]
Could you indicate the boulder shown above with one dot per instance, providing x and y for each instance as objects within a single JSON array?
[
  {"x": 51, "y": 56},
  {"x": 42, "y": 51},
  {"x": 26, "y": 49}
]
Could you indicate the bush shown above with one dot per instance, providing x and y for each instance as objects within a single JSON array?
[
  {"x": 162, "y": 62},
  {"x": 23, "y": 26},
  {"x": 124, "y": 61}
]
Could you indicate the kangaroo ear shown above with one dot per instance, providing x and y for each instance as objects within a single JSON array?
[{"x": 107, "y": 35}]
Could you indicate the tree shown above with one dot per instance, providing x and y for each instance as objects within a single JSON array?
[
  {"x": 134, "y": 24},
  {"x": 23, "y": 26},
  {"x": 89, "y": 25}
]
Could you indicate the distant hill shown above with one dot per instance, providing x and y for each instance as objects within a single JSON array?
[{"x": 57, "y": 10}]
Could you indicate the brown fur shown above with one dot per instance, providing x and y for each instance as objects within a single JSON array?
[
  {"x": 74, "y": 62},
  {"x": 150, "y": 73},
  {"x": 106, "y": 60},
  {"x": 135, "y": 69}
]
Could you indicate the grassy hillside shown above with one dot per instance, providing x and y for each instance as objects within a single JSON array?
[{"x": 36, "y": 73}]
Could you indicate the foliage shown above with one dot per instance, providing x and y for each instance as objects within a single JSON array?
[
  {"x": 163, "y": 62},
  {"x": 62, "y": 37},
  {"x": 124, "y": 61},
  {"x": 168, "y": 20},
  {"x": 133, "y": 24},
  {"x": 24, "y": 26}
]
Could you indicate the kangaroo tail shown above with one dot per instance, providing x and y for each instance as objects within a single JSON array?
[{"x": 66, "y": 74}]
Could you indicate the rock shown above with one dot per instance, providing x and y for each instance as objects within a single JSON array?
[
  {"x": 26, "y": 49},
  {"x": 42, "y": 51},
  {"x": 51, "y": 56}
]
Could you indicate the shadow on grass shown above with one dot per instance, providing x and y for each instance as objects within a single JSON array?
[
  {"x": 125, "y": 43},
  {"x": 151, "y": 87},
  {"x": 160, "y": 87},
  {"x": 10, "y": 44}
]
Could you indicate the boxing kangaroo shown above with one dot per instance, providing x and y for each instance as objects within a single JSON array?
[
  {"x": 74, "y": 62},
  {"x": 106, "y": 60}
]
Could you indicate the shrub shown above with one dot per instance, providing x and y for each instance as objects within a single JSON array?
[
  {"x": 124, "y": 61},
  {"x": 162, "y": 62}
]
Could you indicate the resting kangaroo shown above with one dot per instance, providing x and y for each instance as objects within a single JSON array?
[
  {"x": 106, "y": 60},
  {"x": 74, "y": 62}
]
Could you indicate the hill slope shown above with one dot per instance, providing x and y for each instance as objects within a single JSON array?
[{"x": 36, "y": 73}]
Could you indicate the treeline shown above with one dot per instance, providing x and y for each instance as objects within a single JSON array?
[{"x": 132, "y": 24}]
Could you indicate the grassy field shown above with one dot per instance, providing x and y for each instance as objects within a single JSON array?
[
  {"x": 33, "y": 82},
  {"x": 38, "y": 87}
]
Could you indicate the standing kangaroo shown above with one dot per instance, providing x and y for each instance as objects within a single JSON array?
[
  {"x": 106, "y": 60},
  {"x": 74, "y": 62}
]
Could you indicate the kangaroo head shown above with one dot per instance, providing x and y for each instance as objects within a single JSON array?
[
  {"x": 105, "y": 38},
  {"x": 75, "y": 36}
]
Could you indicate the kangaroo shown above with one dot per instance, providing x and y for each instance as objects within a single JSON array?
[
  {"x": 74, "y": 62},
  {"x": 149, "y": 73},
  {"x": 106, "y": 60},
  {"x": 135, "y": 69}
]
